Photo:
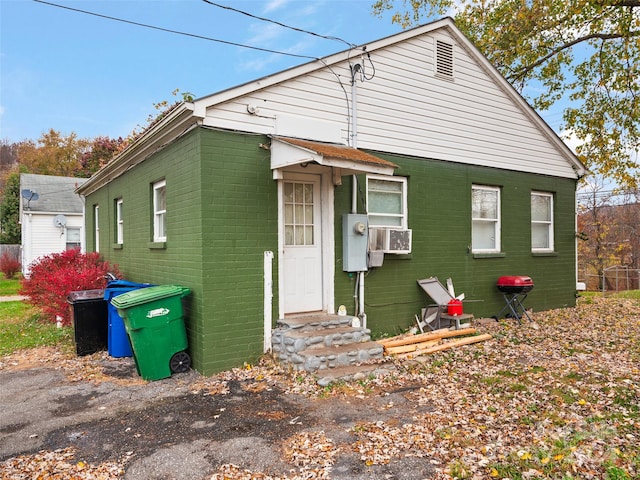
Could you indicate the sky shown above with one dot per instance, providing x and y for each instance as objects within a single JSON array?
[
  {"x": 79, "y": 73},
  {"x": 75, "y": 72}
]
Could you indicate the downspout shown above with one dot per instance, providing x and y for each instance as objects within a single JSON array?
[{"x": 354, "y": 134}]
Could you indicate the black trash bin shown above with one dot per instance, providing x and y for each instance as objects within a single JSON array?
[{"x": 89, "y": 310}]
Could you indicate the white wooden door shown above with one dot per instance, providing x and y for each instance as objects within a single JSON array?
[{"x": 302, "y": 249}]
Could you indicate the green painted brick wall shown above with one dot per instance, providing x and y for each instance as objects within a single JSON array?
[
  {"x": 439, "y": 205},
  {"x": 140, "y": 260},
  {"x": 239, "y": 224},
  {"x": 222, "y": 217}
]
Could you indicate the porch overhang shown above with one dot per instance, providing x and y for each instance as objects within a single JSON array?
[{"x": 287, "y": 152}]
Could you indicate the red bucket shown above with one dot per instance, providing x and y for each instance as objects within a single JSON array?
[{"x": 454, "y": 307}]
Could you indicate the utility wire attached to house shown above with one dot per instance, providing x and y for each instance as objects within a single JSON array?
[
  {"x": 177, "y": 32},
  {"x": 326, "y": 37}
]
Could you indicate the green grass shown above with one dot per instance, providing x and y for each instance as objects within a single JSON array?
[
  {"x": 21, "y": 327},
  {"x": 633, "y": 294},
  {"x": 9, "y": 287}
]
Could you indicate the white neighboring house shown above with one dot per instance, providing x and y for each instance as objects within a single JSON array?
[{"x": 51, "y": 215}]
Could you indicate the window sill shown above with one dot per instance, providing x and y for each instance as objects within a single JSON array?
[
  {"x": 489, "y": 255},
  {"x": 398, "y": 256},
  {"x": 117, "y": 246},
  {"x": 544, "y": 254},
  {"x": 157, "y": 245}
]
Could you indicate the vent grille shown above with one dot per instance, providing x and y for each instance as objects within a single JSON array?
[
  {"x": 444, "y": 59},
  {"x": 390, "y": 240}
]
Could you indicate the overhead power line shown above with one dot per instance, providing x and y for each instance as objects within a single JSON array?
[
  {"x": 326, "y": 37},
  {"x": 177, "y": 32}
]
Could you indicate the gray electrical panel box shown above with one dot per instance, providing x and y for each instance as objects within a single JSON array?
[{"x": 355, "y": 242}]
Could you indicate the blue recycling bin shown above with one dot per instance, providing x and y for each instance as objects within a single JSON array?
[{"x": 118, "y": 344}]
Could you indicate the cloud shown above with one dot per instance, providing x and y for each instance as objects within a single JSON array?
[
  {"x": 274, "y": 5},
  {"x": 264, "y": 33},
  {"x": 571, "y": 140}
]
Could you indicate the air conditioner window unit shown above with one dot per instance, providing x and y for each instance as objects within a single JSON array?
[{"x": 390, "y": 240}]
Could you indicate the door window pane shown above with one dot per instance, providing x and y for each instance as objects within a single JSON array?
[{"x": 298, "y": 213}]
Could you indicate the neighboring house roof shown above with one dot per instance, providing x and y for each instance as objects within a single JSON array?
[
  {"x": 311, "y": 98},
  {"x": 50, "y": 194}
]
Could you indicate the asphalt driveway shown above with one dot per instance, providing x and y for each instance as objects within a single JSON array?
[{"x": 186, "y": 426}]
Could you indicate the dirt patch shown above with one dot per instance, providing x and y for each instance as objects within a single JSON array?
[
  {"x": 32, "y": 358},
  {"x": 166, "y": 422}
]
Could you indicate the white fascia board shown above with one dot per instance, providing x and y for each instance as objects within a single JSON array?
[
  {"x": 285, "y": 155},
  {"x": 66, "y": 214},
  {"x": 349, "y": 167}
]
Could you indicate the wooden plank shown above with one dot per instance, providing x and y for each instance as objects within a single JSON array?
[
  {"x": 448, "y": 345},
  {"x": 385, "y": 341},
  {"x": 424, "y": 337},
  {"x": 411, "y": 348}
]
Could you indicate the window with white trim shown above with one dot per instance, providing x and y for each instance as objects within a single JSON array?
[
  {"x": 160, "y": 211},
  {"x": 73, "y": 240},
  {"x": 485, "y": 219},
  {"x": 119, "y": 222},
  {"x": 387, "y": 201},
  {"x": 96, "y": 228},
  {"x": 541, "y": 222}
]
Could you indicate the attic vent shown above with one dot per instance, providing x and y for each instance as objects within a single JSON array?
[{"x": 444, "y": 59}]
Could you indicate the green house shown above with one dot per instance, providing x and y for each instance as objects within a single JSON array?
[{"x": 340, "y": 183}]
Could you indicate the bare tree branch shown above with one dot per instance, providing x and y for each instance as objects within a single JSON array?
[{"x": 518, "y": 75}]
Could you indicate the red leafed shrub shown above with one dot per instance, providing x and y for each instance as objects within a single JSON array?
[
  {"x": 53, "y": 277},
  {"x": 9, "y": 265}
]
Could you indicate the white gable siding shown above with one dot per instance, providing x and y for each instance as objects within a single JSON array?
[
  {"x": 407, "y": 109},
  {"x": 314, "y": 96},
  {"x": 40, "y": 237}
]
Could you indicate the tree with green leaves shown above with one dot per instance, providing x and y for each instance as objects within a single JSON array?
[
  {"x": 585, "y": 52},
  {"x": 10, "y": 230}
]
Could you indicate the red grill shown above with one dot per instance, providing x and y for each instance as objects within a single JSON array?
[
  {"x": 514, "y": 289},
  {"x": 515, "y": 284}
]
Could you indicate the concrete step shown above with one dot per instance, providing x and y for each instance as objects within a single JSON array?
[
  {"x": 327, "y": 346},
  {"x": 352, "y": 373},
  {"x": 318, "y": 358},
  {"x": 298, "y": 340},
  {"x": 314, "y": 321}
]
